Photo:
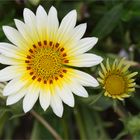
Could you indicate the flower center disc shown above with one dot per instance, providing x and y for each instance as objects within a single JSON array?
[
  {"x": 115, "y": 85},
  {"x": 46, "y": 61}
]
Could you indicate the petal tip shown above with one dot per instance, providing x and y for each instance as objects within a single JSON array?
[
  {"x": 101, "y": 59},
  {"x": 40, "y": 9},
  {"x": 59, "y": 115},
  {"x": 52, "y": 8},
  {"x": 85, "y": 95},
  {"x": 96, "y": 84},
  {"x": 25, "y": 10},
  {"x": 25, "y": 109},
  {"x": 96, "y": 39},
  {"x": 85, "y": 25},
  {"x": 74, "y": 13},
  {"x": 16, "y": 20},
  {"x": 71, "y": 104},
  {"x": 44, "y": 108},
  {"x": 4, "y": 28},
  {"x": 8, "y": 103}
]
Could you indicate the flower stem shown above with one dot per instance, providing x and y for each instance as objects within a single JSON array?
[
  {"x": 120, "y": 111},
  {"x": 46, "y": 125}
]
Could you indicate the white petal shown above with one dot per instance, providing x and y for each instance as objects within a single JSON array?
[
  {"x": 24, "y": 31},
  {"x": 67, "y": 24},
  {"x": 84, "y": 45},
  {"x": 13, "y": 86},
  {"x": 9, "y": 73},
  {"x": 12, "y": 99},
  {"x": 44, "y": 99},
  {"x": 66, "y": 95},
  {"x": 71, "y": 39},
  {"x": 10, "y": 50},
  {"x": 85, "y": 79},
  {"x": 41, "y": 17},
  {"x": 85, "y": 60},
  {"x": 8, "y": 61},
  {"x": 15, "y": 37},
  {"x": 57, "y": 105},
  {"x": 29, "y": 17},
  {"x": 78, "y": 90},
  {"x": 31, "y": 22},
  {"x": 52, "y": 23},
  {"x": 30, "y": 98},
  {"x": 79, "y": 31}
]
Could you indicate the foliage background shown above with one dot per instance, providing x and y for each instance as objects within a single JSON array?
[{"x": 117, "y": 25}]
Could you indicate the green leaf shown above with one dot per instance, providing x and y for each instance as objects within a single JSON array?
[
  {"x": 3, "y": 119},
  {"x": 131, "y": 11},
  {"x": 17, "y": 116},
  {"x": 80, "y": 124},
  {"x": 92, "y": 99},
  {"x": 108, "y": 22},
  {"x": 36, "y": 131},
  {"x": 39, "y": 132},
  {"x": 89, "y": 124}
]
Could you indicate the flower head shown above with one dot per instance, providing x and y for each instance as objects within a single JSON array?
[
  {"x": 42, "y": 60},
  {"x": 116, "y": 80}
]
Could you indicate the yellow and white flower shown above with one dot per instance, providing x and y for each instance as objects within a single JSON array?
[
  {"x": 116, "y": 79},
  {"x": 42, "y": 58}
]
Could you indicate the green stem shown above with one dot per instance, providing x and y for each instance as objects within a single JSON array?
[
  {"x": 120, "y": 135},
  {"x": 46, "y": 125},
  {"x": 80, "y": 124},
  {"x": 120, "y": 111}
]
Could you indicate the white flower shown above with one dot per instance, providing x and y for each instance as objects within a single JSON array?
[{"x": 41, "y": 57}]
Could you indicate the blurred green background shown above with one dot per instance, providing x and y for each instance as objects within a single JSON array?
[{"x": 117, "y": 25}]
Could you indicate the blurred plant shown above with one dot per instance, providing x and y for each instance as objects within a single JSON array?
[
  {"x": 34, "y": 2},
  {"x": 132, "y": 125}
]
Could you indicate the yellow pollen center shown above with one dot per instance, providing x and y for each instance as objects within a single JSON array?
[
  {"x": 115, "y": 85},
  {"x": 46, "y": 62}
]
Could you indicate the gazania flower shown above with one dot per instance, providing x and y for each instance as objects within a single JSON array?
[
  {"x": 116, "y": 80},
  {"x": 42, "y": 60}
]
